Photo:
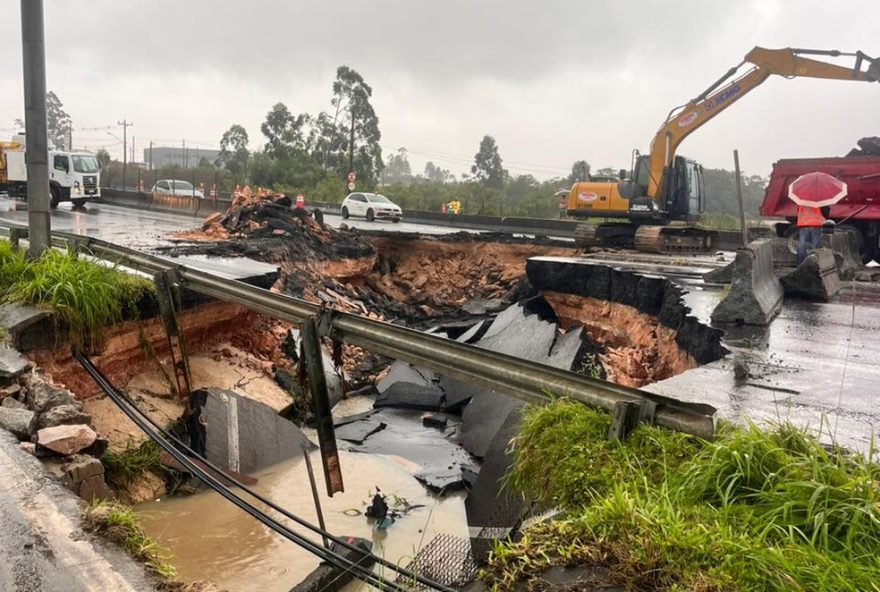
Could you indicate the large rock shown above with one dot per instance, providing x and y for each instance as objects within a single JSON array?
[
  {"x": 20, "y": 422},
  {"x": 816, "y": 278},
  {"x": 42, "y": 396},
  {"x": 66, "y": 439},
  {"x": 63, "y": 415},
  {"x": 755, "y": 295},
  {"x": 12, "y": 403},
  {"x": 85, "y": 476},
  {"x": 12, "y": 363}
]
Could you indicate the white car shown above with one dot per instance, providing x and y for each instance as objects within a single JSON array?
[
  {"x": 177, "y": 188},
  {"x": 371, "y": 206}
]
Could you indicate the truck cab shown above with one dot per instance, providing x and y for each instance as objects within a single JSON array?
[{"x": 73, "y": 175}]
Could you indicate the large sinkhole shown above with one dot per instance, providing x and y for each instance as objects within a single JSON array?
[{"x": 433, "y": 443}]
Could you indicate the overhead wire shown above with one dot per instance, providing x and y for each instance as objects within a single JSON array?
[{"x": 178, "y": 445}]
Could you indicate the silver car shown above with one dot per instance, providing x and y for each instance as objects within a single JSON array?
[
  {"x": 177, "y": 188},
  {"x": 371, "y": 206}
]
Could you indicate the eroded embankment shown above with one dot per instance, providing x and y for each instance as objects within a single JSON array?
[{"x": 132, "y": 347}]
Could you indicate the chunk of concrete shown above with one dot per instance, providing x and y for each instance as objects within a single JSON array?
[
  {"x": 29, "y": 327},
  {"x": 846, "y": 252},
  {"x": 66, "y": 439},
  {"x": 243, "y": 435},
  {"x": 755, "y": 296},
  {"x": 21, "y": 422},
  {"x": 493, "y": 511},
  {"x": 329, "y": 578},
  {"x": 358, "y": 431},
  {"x": 401, "y": 372},
  {"x": 10, "y": 390},
  {"x": 63, "y": 415},
  {"x": 12, "y": 363},
  {"x": 407, "y": 395},
  {"x": 442, "y": 481},
  {"x": 817, "y": 278}
]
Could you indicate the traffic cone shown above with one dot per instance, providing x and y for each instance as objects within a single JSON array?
[
  {"x": 300, "y": 201},
  {"x": 443, "y": 209}
]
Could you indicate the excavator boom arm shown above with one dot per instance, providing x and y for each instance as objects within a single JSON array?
[{"x": 789, "y": 63}]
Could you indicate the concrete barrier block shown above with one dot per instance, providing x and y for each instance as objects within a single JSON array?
[
  {"x": 846, "y": 252},
  {"x": 816, "y": 278},
  {"x": 755, "y": 296}
]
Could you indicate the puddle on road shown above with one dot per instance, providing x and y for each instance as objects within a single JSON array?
[{"x": 213, "y": 540}]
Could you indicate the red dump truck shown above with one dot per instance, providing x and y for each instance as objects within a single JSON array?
[{"x": 858, "y": 212}]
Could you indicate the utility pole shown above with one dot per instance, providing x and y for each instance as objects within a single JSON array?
[
  {"x": 151, "y": 155},
  {"x": 37, "y": 145},
  {"x": 125, "y": 125},
  {"x": 183, "y": 158},
  {"x": 133, "y": 159}
]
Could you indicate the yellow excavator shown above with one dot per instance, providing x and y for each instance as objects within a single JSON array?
[{"x": 663, "y": 187}]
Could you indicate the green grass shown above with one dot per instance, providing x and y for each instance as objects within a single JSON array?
[
  {"x": 86, "y": 296},
  {"x": 121, "y": 468},
  {"x": 121, "y": 525},
  {"x": 752, "y": 510}
]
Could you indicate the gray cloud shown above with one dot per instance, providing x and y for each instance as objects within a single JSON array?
[{"x": 553, "y": 81}]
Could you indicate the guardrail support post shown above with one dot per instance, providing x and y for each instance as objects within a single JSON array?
[
  {"x": 313, "y": 359},
  {"x": 176, "y": 341},
  {"x": 624, "y": 420}
]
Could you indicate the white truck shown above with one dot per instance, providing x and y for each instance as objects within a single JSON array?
[{"x": 73, "y": 176}]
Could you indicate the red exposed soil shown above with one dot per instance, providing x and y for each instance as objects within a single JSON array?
[
  {"x": 638, "y": 349},
  {"x": 204, "y": 326}
]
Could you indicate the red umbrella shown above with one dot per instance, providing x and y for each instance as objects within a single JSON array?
[{"x": 816, "y": 190}]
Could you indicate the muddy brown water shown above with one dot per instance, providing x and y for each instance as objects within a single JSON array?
[{"x": 213, "y": 540}]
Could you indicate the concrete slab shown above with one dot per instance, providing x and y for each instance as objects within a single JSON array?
[
  {"x": 249, "y": 271},
  {"x": 406, "y": 395},
  {"x": 358, "y": 431},
  {"x": 406, "y": 373},
  {"x": 244, "y": 435}
]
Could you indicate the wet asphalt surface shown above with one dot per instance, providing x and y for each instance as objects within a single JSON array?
[{"x": 44, "y": 547}]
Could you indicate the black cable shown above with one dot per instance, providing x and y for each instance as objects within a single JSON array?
[
  {"x": 302, "y": 522},
  {"x": 327, "y": 555}
]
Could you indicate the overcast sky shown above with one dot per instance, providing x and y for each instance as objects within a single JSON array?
[{"x": 553, "y": 81}]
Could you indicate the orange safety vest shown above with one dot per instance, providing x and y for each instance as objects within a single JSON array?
[{"x": 809, "y": 217}]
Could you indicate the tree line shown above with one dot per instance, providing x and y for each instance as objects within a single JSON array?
[{"x": 313, "y": 154}]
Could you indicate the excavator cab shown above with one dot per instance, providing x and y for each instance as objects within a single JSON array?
[{"x": 683, "y": 196}]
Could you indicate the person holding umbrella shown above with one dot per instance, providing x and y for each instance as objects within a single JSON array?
[{"x": 813, "y": 194}]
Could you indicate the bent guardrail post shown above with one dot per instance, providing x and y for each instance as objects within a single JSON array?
[
  {"x": 313, "y": 358},
  {"x": 173, "y": 334}
]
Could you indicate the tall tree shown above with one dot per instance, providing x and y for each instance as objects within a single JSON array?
[
  {"x": 397, "y": 169},
  {"x": 357, "y": 120},
  {"x": 487, "y": 166},
  {"x": 58, "y": 122},
  {"x": 234, "y": 150},
  {"x": 283, "y": 131},
  {"x": 580, "y": 172},
  {"x": 437, "y": 174}
]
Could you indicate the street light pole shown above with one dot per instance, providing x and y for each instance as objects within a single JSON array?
[{"x": 36, "y": 143}]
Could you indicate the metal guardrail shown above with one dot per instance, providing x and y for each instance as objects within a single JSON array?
[{"x": 528, "y": 381}]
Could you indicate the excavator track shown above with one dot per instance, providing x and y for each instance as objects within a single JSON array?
[
  {"x": 614, "y": 235},
  {"x": 675, "y": 239},
  {"x": 585, "y": 236}
]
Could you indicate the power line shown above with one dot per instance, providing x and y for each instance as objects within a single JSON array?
[{"x": 174, "y": 446}]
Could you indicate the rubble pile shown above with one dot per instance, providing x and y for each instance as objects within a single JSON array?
[{"x": 869, "y": 146}]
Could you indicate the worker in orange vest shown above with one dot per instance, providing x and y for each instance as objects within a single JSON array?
[{"x": 809, "y": 223}]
